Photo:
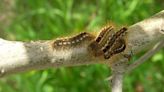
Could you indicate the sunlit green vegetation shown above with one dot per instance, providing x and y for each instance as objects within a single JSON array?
[{"x": 48, "y": 19}]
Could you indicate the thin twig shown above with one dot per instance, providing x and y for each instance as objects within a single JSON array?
[
  {"x": 116, "y": 82},
  {"x": 146, "y": 56}
]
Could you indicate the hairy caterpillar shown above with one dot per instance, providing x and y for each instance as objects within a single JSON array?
[
  {"x": 96, "y": 45},
  {"x": 73, "y": 41},
  {"x": 116, "y": 44}
]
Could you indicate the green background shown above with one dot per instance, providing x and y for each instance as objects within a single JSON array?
[{"x": 49, "y": 19}]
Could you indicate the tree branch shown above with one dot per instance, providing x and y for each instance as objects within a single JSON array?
[
  {"x": 17, "y": 56},
  {"x": 146, "y": 56}
]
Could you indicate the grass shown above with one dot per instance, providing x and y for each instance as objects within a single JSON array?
[{"x": 48, "y": 19}]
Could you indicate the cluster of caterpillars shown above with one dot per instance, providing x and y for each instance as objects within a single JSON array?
[{"x": 107, "y": 43}]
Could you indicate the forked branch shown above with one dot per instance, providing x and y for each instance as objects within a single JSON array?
[{"x": 17, "y": 56}]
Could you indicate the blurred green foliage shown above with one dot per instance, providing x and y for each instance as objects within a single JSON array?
[{"x": 47, "y": 19}]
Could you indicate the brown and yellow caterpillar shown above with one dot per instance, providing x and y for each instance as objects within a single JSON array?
[
  {"x": 96, "y": 45},
  {"x": 73, "y": 41},
  {"x": 116, "y": 44}
]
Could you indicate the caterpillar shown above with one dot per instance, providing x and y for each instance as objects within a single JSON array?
[
  {"x": 72, "y": 41},
  {"x": 97, "y": 44},
  {"x": 116, "y": 44}
]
